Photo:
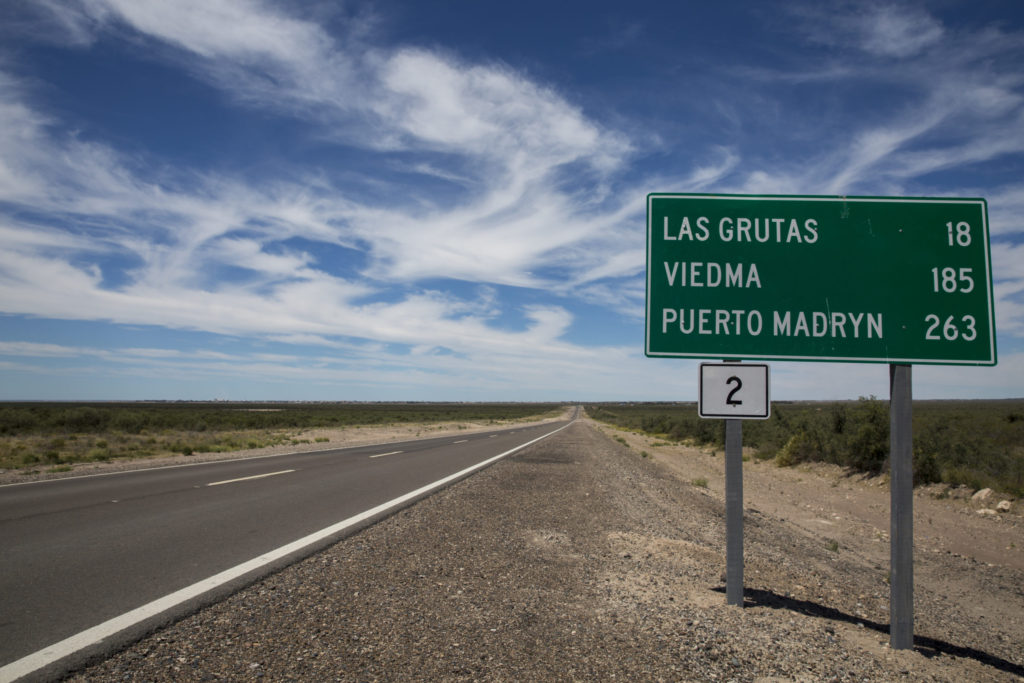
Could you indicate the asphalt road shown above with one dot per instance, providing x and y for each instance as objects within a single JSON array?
[{"x": 77, "y": 552}]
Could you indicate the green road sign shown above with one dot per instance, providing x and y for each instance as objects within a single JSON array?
[{"x": 862, "y": 279}]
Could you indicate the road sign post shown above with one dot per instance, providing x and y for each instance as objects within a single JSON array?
[
  {"x": 735, "y": 392},
  {"x": 901, "y": 510},
  {"x": 734, "y": 512},
  {"x": 896, "y": 280}
]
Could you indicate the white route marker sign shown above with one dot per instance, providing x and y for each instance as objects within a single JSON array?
[{"x": 734, "y": 391}]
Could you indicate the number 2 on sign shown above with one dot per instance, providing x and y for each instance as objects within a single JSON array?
[{"x": 729, "y": 400}]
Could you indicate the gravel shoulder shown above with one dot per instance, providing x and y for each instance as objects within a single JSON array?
[{"x": 579, "y": 559}]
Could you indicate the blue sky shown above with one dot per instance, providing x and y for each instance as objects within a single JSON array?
[{"x": 254, "y": 200}]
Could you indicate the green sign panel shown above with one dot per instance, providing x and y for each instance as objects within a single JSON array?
[{"x": 862, "y": 279}]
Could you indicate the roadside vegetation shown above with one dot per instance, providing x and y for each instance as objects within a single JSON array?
[
  {"x": 55, "y": 435},
  {"x": 978, "y": 444}
]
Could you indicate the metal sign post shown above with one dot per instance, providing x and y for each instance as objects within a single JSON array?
[
  {"x": 734, "y": 512},
  {"x": 901, "y": 513},
  {"x": 735, "y": 392}
]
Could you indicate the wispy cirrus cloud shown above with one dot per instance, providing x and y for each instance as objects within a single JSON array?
[
  {"x": 940, "y": 98},
  {"x": 876, "y": 28},
  {"x": 514, "y": 133}
]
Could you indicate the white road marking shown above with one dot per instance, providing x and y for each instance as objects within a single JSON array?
[
  {"x": 255, "y": 476},
  {"x": 89, "y": 637},
  {"x": 381, "y": 455},
  {"x": 461, "y": 441}
]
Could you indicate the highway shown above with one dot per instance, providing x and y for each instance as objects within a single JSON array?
[{"x": 81, "y": 551}]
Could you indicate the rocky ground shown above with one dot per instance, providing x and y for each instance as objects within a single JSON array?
[{"x": 580, "y": 559}]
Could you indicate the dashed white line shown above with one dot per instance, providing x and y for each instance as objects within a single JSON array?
[
  {"x": 255, "y": 476},
  {"x": 461, "y": 441},
  {"x": 381, "y": 455}
]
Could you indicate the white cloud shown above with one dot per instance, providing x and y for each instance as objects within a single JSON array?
[
  {"x": 37, "y": 350},
  {"x": 880, "y": 29},
  {"x": 244, "y": 30},
  {"x": 898, "y": 31},
  {"x": 943, "y": 99},
  {"x": 514, "y": 133},
  {"x": 1008, "y": 262},
  {"x": 1006, "y": 210},
  {"x": 249, "y": 254}
]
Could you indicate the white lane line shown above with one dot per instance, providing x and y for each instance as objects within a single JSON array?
[
  {"x": 89, "y": 637},
  {"x": 461, "y": 441},
  {"x": 255, "y": 476},
  {"x": 493, "y": 436},
  {"x": 381, "y": 455}
]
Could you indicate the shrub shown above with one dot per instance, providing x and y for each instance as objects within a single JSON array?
[
  {"x": 81, "y": 419},
  {"x": 100, "y": 454},
  {"x": 17, "y": 420},
  {"x": 869, "y": 446},
  {"x": 964, "y": 476},
  {"x": 131, "y": 422},
  {"x": 800, "y": 448},
  {"x": 926, "y": 469}
]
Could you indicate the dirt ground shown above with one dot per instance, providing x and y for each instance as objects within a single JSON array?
[
  {"x": 852, "y": 508},
  {"x": 953, "y": 533}
]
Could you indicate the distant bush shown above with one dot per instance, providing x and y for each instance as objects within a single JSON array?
[{"x": 134, "y": 418}]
